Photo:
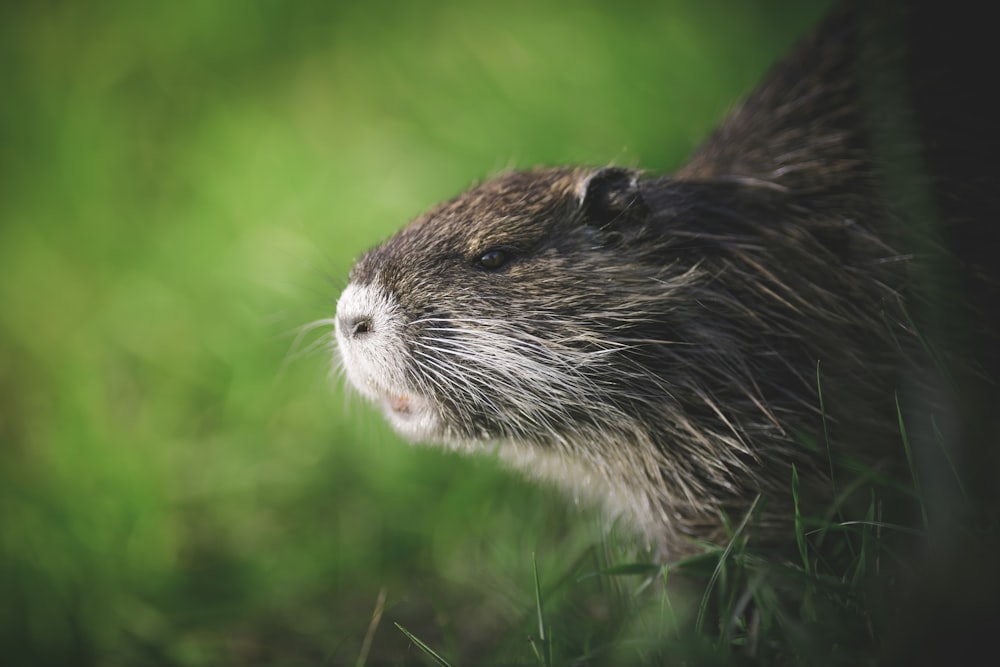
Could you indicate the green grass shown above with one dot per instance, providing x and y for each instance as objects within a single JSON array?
[{"x": 183, "y": 187}]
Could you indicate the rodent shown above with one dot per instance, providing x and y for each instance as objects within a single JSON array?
[{"x": 672, "y": 345}]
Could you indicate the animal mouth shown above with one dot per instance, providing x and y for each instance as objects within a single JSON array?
[
  {"x": 404, "y": 407},
  {"x": 395, "y": 402},
  {"x": 401, "y": 404},
  {"x": 412, "y": 415}
]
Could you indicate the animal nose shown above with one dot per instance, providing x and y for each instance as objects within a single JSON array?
[{"x": 356, "y": 326}]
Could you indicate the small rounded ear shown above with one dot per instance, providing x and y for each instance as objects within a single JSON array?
[{"x": 609, "y": 194}]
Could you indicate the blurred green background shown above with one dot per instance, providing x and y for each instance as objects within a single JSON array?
[{"x": 183, "y": 186}]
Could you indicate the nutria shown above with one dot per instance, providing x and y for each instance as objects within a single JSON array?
[{"x": 673, "y": 345}]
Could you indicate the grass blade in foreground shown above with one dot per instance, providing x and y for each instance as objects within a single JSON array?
[
  {"x": 423, "y": 647},
  {"x": 544, "y": 640}
]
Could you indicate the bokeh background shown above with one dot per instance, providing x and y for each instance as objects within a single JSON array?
[{"x": 183, "y": 187}]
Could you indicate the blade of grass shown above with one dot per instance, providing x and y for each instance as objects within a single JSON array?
[
  {"x": 800, "y": 537},
  {"x": 939, "y": 436},
  {"x": 867, "y": 543},
  {"x": 739, "y": 607},
  {"x": 623, "y": 570},
  {"x": 667, "y": 608},
  {"x": 543, "y": 638},
  {"x": 366, "y": 645},
  {"x": 423, "y": 647},
  {"x": 826, "y": 432},
  {"x": 909, "y": 461},
  {"x": 703, "y": 607}
]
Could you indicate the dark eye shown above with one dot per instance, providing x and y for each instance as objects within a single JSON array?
[{"x": 493, "y": 259}]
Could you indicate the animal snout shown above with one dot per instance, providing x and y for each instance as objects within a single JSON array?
[{"x": 355, "y": 326}]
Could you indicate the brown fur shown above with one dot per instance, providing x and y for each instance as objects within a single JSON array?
[{"x": 662, "y": 343}]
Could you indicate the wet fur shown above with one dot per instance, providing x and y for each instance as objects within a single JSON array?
[{"x": 660, "y": 343}]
